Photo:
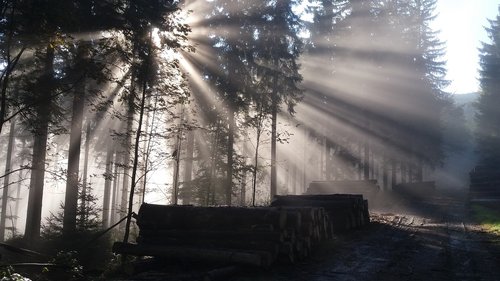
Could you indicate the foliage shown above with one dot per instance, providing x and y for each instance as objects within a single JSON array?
[
  {"x": 487, "y": 217},
  {"x": 87, "y": 216},
  {"x": 8, "y": 274},
  {"x": 488, "y": 116}
]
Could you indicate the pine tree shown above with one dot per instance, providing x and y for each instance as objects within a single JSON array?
[
  {"x": 276, "y": 54},
  {"x": 488, "y": 116}
]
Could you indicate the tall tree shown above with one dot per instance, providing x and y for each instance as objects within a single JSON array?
[
  {"x": 488, "y": 116},
  {"x": 6, "y": 179},
  {"x": 276, "y": 54}
]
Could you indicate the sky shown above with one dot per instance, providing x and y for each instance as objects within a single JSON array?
[{"x": 462, "y": 25}]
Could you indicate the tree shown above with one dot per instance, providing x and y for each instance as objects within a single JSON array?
[
  {"x": 11, "y": 51},
  {"x": 277, "y": 49},
  {"x": 488, "y": 116},
  {"x": 147, "y": 74},
  {"x": 6, "y": 180}
]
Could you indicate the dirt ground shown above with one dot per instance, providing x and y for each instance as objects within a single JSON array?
[{"x": 429, "y": 240}]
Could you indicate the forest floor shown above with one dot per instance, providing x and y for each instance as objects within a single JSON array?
[{"x": 431, "y": 240}]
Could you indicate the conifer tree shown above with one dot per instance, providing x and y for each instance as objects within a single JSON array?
[{"x": 488, "y": 116}]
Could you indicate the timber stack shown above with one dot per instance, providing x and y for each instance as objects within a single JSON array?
[
  {"x": 484, "y": 183},
  {"x": 345, "y": 211},
  {"x": 257, "y": 236}
]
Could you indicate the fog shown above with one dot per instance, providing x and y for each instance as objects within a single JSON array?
[{"x": 369, "y": 105}]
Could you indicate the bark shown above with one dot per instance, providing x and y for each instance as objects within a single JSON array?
[
  {"x": 18, "y": 191},
  {"x": 366, "y": 160},
  {"x": 213, "y": 255},
  {"x": 35, "y": 200},
  {"x": 420, "y": 171},
  {"x": 274, "y": 135},
  {"x": 304, "y": 161},
  {"x": 6, "y": 180},
  {"x": 85, "y": 188},
  {"x": 243, "y": 190},
  {"x": 328, "y": 160},
  {"x": 180, "y": 217},
  {"x": 230, "y": 158},
  {"x": 256, "y": 158},
  {"x": 108, "y": 176},
  {"x": 135, "y": 164},
  {"x": 71, "y": 196},
  {"x": 385, "y": 175},
  {"x": 393, "y": 173},
  {"x": 188, "y": 165},
  {"x": 11, "y": 62},
  {"x": 177, "y": 158},
  {"x": 146, "y": 150},
  {"x": 126, "y": 153},
  {"x": 114, "y": 193},
  {"x": 403, "y": 172}
]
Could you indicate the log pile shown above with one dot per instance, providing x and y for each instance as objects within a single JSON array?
[
  {"x": 344, "y": 211},
  {"x": 484, "y": 183},
  {"x": 368, "y": 188},
  {"x": 251, "y": 236},
  {"x": 257, "y": 236}
]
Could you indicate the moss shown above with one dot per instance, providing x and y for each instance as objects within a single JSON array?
[{"x": 489, "y": 218}]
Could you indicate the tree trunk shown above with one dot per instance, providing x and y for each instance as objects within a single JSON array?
[
  {"x": 35, "y": 200},
  {"x": 274, "y": 135},
  {"x": 230, "y": 160},
  {"x": 135, "y": 164},
  {"x": 403, "y": 172},
  {"x": 274, "y": 175},
  {"x": 75, "y": 141},
  {"x": 328, "y": 160},
  {"x": 385, "y": 176},
  {"x": 393, "y": 173},
  {"x": 256, "y": 156},
  {"x": 6, "y": 180},
  {"x": 420, "y": 170},
  {"x": 304, "y": 161},
  {"x": 177, "y": 158},
  {"x": 85, "y": 187},
  {"x": 321, "y": 163},
  {"x": 108, "y": 178},
  {"x": 127, "y": 147},
  {"x": 366, "y": 160},
  {"x": 146, "y": 148},
  {"x": 114, "y": 193},
  {"x": 243, "y": 190},
  {"x": 20, "y": 178},
  {"x": 188, "y": 165}
]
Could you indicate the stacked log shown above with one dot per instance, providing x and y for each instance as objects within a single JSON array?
[
  {"x": 344, "y": 211},
  {"x": 286, "y": 231},
  {"x": 485, "y": 183},
  {"x": 368, "y": 188},
  {"x": 252, "y": 236}
]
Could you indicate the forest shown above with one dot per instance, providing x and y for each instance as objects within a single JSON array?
[{"x": 105, "y": 105}]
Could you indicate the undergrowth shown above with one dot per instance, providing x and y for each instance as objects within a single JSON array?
[{"x": 489, "y": 218}]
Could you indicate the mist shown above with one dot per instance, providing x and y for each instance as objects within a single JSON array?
[{"x": 230, "y": 103}]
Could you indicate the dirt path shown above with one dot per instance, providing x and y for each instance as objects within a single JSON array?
[{"x": 434, "y": 244}]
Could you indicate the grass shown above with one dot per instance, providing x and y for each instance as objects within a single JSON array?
[{"x": 488, "y": 217}]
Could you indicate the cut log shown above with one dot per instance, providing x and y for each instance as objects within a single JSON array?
[
  {"x": 235, "y": 244},
  {"x": 255, "y": 258},
  {"x": 208, "y": 218},
  {"x": 253, "y": 235}
]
